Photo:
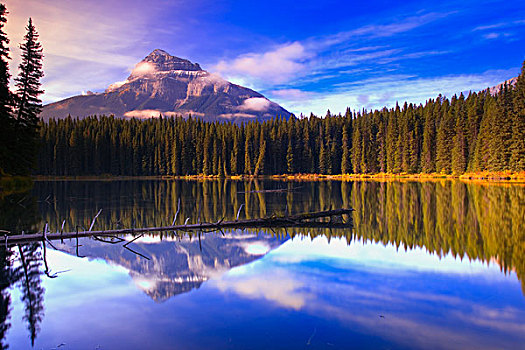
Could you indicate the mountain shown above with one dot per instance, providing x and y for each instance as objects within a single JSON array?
[
  {"x": 496, "y": 89},
  {"x": 169, "y": 85}
]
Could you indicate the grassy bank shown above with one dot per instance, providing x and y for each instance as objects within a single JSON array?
[{"x": 479, "y": 176}]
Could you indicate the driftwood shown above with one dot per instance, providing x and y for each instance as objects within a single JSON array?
[
  {"x": 299, "y": 220},
  {"x": 278, "y": 190}
]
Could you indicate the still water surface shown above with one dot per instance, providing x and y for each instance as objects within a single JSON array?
[{"x": 427, "y": 265}]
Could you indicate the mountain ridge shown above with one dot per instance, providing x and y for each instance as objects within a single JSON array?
[{"x": 162, "y": 84}]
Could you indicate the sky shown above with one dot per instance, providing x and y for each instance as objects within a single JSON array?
[{"x": 308, "y": 56}]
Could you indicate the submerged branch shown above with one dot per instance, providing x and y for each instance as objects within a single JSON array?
[{"x": 299, "y": 220}]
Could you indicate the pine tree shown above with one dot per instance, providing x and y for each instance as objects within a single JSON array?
[
  {"x": 429, "y": 139},
  {"x": 501, "y": 130},
  {"x": 289, "y": 158},
  {"x": 459, "y": 141},
  {"x": 345, "y": 162},
  {"x": 259, "y": 166},
  {"x": 234, "y": 157},
  {"x": 247, "y": 154},
  {"x": 445, "y": 135},
  {"x": 391, "y": 144},
  {"x": 28, "y": 104},
  {"x": 517, "y": 149},
  {"x": 7, "y": 156},
  {"x": 357, "y": 147}
]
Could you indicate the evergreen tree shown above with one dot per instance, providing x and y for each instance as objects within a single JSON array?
[
  {"x": 247, "y": 154},
  {"x": 459, "y": 141},
  {"x": 445, "y": 135},
  {"x": 7, "y": 156},
  {"x": 517, "y": 147},
  {"x": 345, "y": 162},
  {"x": 429, "y": 139},
  {"x": 259, "y": 166},
  {"x": 289, "y": 158},
  {"x": 357, "y": 147},
  {"x": 28, "y": 104}
]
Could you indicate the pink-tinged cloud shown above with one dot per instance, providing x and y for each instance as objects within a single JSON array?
[
  {"x": 143, "y": 113},
  {"x": 143, "y": 68},
  {"x": 87, "y": 44},
  {"x": 276, "y": 66},
  {"x": 154, "y": 113},
  {"x": 257, "y": 104},
  {"x": 292, "y": 94},
  {"x": 236, "y": 115}
]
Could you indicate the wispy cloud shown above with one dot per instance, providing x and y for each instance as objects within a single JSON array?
[
  {"x": 90, "y": 44},
  {"x": 280, "y": 288},
  {"x": 275, "y": 66},
  {"x": 507, "y": 24},
  {"x": 293, "y": 94},
  {"x": 325, "y": 57},
  {"x": 374, "y": 31},
  {"x": 84, "y": 42},
  {"x": 387, "y": 91}
]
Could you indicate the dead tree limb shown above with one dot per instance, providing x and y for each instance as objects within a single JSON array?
[{"x": 298, "y": 220}]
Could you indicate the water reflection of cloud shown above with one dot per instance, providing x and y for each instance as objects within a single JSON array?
[
  {"x": 379, "y": 256},
  {"x": 507, "y": 319},
  {"x": 429, "y": 307},
  {"x": 256, "y": 247},
  {"x": 279, "y": 287}
]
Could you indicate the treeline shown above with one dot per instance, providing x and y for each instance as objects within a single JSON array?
[
  {"x": 480, "y": 132},
  {"x": 19, "y": 109}
]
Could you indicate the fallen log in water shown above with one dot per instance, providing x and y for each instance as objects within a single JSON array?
[
  {"x": 299, "y": 220},
  {"x": 278, "y": 190}
]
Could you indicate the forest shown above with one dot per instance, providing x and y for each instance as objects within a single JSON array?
[{"x": 474, "y": 133}]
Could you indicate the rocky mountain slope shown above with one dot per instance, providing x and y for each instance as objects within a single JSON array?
[
  {"x": 169, "y": 85},
  {"x": 496, "y": 89}
]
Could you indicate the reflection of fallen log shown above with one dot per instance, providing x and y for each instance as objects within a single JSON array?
[
  {"x": 278, "y": 190},
  {"x": 300, "y": 220}
]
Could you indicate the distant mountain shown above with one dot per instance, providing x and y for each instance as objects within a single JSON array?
[
  {"x": 169, "y": 85},
  {"x": 495, "y": 89}
]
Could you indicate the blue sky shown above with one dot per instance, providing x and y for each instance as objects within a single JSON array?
[{"x": 308, "y": 56}]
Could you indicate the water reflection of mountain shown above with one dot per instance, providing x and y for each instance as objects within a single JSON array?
[{"x": 178, "y": 266}]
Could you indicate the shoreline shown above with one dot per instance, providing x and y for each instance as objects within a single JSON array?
[{"x": 504, "y": 177}]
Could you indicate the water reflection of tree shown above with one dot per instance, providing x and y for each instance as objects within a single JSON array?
[
  {"x": 30, "y": 284},
  {"x": 18, "y": 212},
  {"x": 6, "y": 279},
  {"x": 485, "y": 222}
]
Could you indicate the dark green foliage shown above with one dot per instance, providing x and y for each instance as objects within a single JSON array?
[
  {"x": 6, "y": 117},
  {"x": 19, "y": 111},
  {"x": 517, "y": 147},
  {"x": 474, "y": 133},
  {"x": 345, "y": 162},
  {"x": 27, "y": 102}
]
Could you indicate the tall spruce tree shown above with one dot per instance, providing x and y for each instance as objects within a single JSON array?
[
  {"x": 28, "y": 103},
  {"x": 6, "y": 118},
  {"x": 345, "y": 162},
  {"x": 517, "y": 157}
]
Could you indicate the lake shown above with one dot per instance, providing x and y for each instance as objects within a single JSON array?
[{"x": 433, "y": 265}]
